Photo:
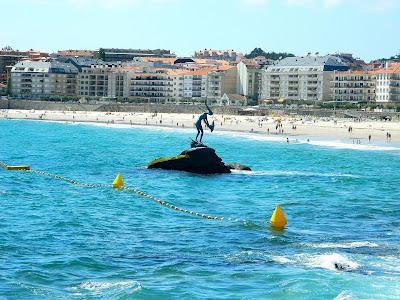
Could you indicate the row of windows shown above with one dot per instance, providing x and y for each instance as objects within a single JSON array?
[{"x": 293, "y": 70}]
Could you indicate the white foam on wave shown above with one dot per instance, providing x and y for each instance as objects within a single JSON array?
[
  {"x": 338, "y": 144},
  {"x": 345, "y": 295},
  {"x": 107, "y": 287},
  {"x": 252, "y": 136},
  {"x": 328, "y": 261},
  {"x": 134, "y": 126},
  {"x": 343, "y": 145},
  {"x": 348, "y": 245},
  {"x": 291, "y": 173}
]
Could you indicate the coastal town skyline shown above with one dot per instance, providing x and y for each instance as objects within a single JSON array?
[{"x": 293, "y": 26}]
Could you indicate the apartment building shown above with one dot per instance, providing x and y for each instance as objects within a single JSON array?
[
  {"x": 388, "y": 83},
  {"x": 118, "y": 83},
  {"x": 221, "y": 81},
  {"x": 43, "y": 80},
  {"x": 93, "y": 81},
  {"x": 195, "y": 84},
  {"x": 9, "y": 57},
  {"x": 229, "y": 55},
  {"x": 153, "y": 85},
  {"x": 301, "y": 78},
  {"x": 93, "y": 76},
  {"x": 353, "y": 86},
  {"x": 111, "y": 54},
  {"x": 76, "y": 53},
  {"x": 142, "y": 81},
  {"x": 248, "y": 79}
]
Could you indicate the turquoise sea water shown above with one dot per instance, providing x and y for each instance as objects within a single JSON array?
[{"x": 62, "y": 241}]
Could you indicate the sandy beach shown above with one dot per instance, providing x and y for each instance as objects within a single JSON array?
[{"x": 284, "y": 126}]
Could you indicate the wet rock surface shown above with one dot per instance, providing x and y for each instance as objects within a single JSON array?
[{"x": 200, "y": 160}]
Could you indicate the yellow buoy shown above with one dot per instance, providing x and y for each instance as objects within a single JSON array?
[
  {"x": 118, "y": 183},
  {"x": 278, "y": 220},
  {"x": 18, "y": 168}
]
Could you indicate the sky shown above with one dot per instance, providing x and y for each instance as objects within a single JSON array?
[{"x": 367, "y": 28}]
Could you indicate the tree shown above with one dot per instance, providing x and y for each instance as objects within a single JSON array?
[
  {"x": 397, "y": 56},
  {"x": 101, "y": 54},
  {"x": 256, "y": 52},
  {"x": 270, "y": 55},
  {"x": 8, "y": 48}
]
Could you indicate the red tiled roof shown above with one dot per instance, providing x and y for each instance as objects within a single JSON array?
[{"x": 392, "y": 69}]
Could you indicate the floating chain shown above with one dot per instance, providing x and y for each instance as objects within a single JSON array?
[{"x": 128, "y": 189}]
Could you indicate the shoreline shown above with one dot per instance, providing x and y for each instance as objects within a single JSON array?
[{"x": 292, "y": 128}]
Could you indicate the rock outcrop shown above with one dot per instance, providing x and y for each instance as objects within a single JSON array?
[{"x": 200, "y": 160}]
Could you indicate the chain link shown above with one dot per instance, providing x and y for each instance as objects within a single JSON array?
[{"x": 128, "y": 189}]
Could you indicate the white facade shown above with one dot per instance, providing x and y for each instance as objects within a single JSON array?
[
  {"x": 247, "y": 82},
  {"x": 300, "y": 78},
  {"x": 195, "y": 86},
  {"x": 295, "y": 83},
  {"x": 43, "y": 80},
  {"x": 388, "y": 84}
]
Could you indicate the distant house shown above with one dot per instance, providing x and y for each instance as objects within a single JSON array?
[
  {"x": 232, "y": 99},
  {"x": 265, "y": 101}
]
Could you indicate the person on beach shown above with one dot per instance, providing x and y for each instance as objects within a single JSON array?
[{"x": 203, "y": 118}]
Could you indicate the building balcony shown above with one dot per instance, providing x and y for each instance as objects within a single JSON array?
[
  {"x": 148, "y": 78},
  {"x": 161, "y": 84}
]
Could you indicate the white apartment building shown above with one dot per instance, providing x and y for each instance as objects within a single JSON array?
[
  {"x": 195, "y": 84},
  {"x": 153, "y": 85},
  {"x": 43, "y": 80},
  {"x": 248, "y": 79},
  {"x": 388, "y": 83},
  {"x": 301, "y": 78}
]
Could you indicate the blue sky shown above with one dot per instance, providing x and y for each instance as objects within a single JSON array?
[{"x": 368, "y": 28}]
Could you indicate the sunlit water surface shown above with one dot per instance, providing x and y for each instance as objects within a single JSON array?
[{"x": 64, "y": 241}]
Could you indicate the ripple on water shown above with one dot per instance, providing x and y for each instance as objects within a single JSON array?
[
  {"x": 107, "y": 289},
  {"x": 327, "y": 261},
  {"x": 63, "y": 241}
]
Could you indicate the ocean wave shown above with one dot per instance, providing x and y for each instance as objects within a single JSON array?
[
  {"x": 345, "y": 295},
  {"x": 107, "y": 288},
  {"x": 151, "y": 127},
  {"x": 338, "y": 144},
  {"x": 348, "y": 245},
  {"x": 329, "y": 261},
  {"x": 291, "y": 173},
  {"x": 343, "y": 145}
]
